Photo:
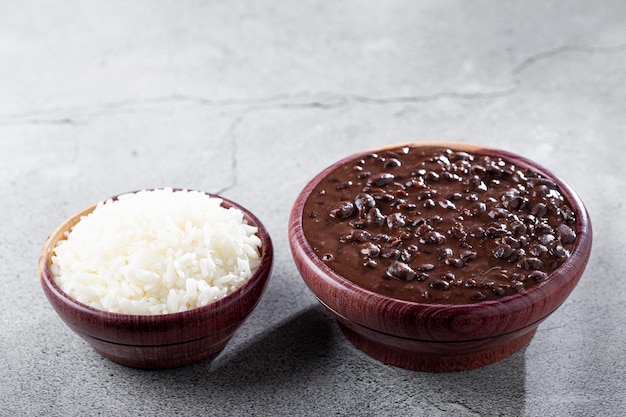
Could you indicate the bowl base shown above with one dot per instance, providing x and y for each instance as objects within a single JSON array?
[
  {"x": 427, "y": 361},
  {"x": 157, "y": 357}
]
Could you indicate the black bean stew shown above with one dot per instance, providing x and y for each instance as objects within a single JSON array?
[{"x": 435, "y": 225}]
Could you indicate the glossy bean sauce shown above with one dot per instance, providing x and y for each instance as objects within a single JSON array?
[{"x": 429, "y": 224}]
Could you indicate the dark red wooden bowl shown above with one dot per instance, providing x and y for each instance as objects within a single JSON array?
[
  {"x": 439, "y": 337},
  {"x": 159, "y": 341}
]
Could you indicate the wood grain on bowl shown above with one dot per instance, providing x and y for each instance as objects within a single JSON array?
[
  {"x": 445, "y": 335},
  {"x": 158, "y": 341}
]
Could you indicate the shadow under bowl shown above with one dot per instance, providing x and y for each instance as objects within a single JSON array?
[
  {"x": 158, "y": 341},
  {"x": 439, "y": 337}
]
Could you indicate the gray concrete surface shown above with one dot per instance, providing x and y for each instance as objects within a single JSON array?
[{"x": 250, "y": 99}]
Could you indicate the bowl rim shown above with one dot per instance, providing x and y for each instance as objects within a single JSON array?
[
  {"x": 581, "y": 248},
  {"x": 47, "y": 279}
]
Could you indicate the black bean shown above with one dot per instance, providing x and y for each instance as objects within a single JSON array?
[
  {"x": 510, "y": 194},
  {"x": 454, "y": 262},
  {"x": 518, "y": 228},
  {"x": 381, "y": 179},
  {"x": 401, "y": 271},
  {"x": 443, "y": 253},
  {"x": 457, "y": 232},
  {"x": 566, "y": 233},
  {"x": 478, "y": 170},
  {"x": 363, "y": 202},
  {"x": 499, "y": 291},
  {"x": 498, "y": 213},
  {"x": 494, "y": 232},
  {"x": 530, "y": 263},
  {"x": 477, "y": 182},
  {"x": 463, "y": 156},
  {"x": 370, "y": 263},
  {"x": 467, "y": 255},
  {"x": 374, "y": 216},
  {"x": 421, "y": 276},
  {"x": 540, "y": 191},
  {"x": 383, "y": 196},
  {"x": 391, "y": 253},
  {"x": 423, "y": 229},
  {"x": 382, "y": 237},
  {"x": 567, "y": 214},
  {"x": 358, "y": 236},
  {"x": 478, "y": 296},
  {"x": 538, "y": 250},
  {"x": 426, "y": 194},
  {"x": 448, "y": 276},
  {"x": 440, "y": 284},
  {"x": 432, "y": 176},
  {"x": 407, "y": 206},
  {"x": 436, "y": 219},
  {"x": 547, "y": 240},
  {"x": 357, "y": 224},
  {"x": 399, "y": 190},
  {"x": 503, "y": 251},
  {"x": 429, "y": 203},
  {"x": 512, "y": 242},
  {"x": 478, "y": 208},
  {"x": 560, "y": 252},
  {"x": 539, "y": 210},
  {"x": 538, "y": 276},
  {"x": 543, "y": 229},
  {"x": 342, "y": 210},
  {"x": 417, "y": 221},
  {"x": 425, "y": 267},
  {"x": 450, "y": 176},
  {"x": 344, "y": 185},
  {"x": 447, "y": 204},
  {"x": 413, "y": 248},
  {"x": 433, "y": 238},
  {"x": 470, "y": 283},
  {"x": 476, "y": 231},
  {"x": 538, "y": 181},
  {"x": 371, "y": 250},
  {"x": 515, "y": 201},
  {"x": 392, "y": 163},
  {"x": 396, "y": 220},
  {"x": 517, "y": 255},
  {"x": 529, "y": 219}
]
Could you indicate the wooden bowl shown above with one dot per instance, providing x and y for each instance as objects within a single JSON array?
[
  {"x": 439, "y": 337},
  {"x": 158, "y": 341}
]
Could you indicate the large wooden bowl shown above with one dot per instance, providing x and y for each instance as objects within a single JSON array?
[
  {"x": 439, "y": 337},
  {"x": 158, "y": 341}
]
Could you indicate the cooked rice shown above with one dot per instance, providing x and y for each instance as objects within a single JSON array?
[{"x": 156, "y": 252}]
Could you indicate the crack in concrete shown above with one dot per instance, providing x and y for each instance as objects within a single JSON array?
[
  {"x": 564, "y": 49},
  {"x": 322, "y": 101},
  {"x": 234, "y": 146}
]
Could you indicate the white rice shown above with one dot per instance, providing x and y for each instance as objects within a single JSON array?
[{"x": 156, "y": 252}]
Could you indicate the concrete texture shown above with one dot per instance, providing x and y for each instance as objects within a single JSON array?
[{"x": 252, "y": 98}]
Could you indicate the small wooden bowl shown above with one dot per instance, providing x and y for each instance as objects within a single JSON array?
[
  {"x": 439, "y": 337},
  {"x": 158, "y": 341}
]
